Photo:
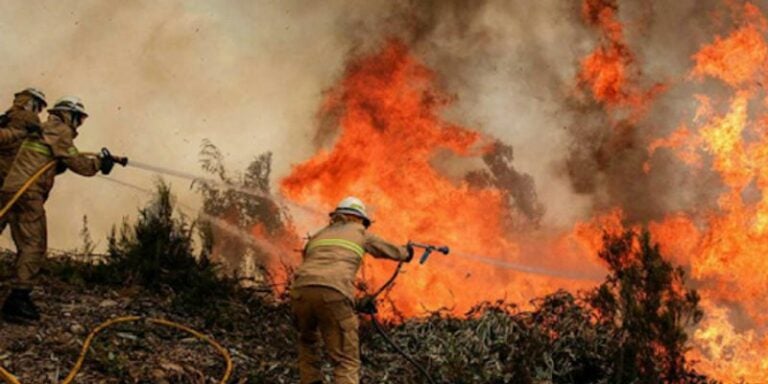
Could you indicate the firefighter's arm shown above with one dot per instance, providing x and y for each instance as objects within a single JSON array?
[
  {"x": 23, "y": 120},
  {"x": 9, "y": 135},
  {"x": 81, "y": 164},
  {"x": 381, "y": 249},
  {"x": 64, "y": 150}
]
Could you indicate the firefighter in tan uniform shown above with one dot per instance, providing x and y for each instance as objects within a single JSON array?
[
  {"x": 27, "y": 217},
  {"x": 323, "y": 293},
  {"x": 16, "y": 123}
]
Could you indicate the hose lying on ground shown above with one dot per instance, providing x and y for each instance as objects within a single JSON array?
[
  {"x": 399, "y": 350},
  {"x": 368, "y": 306},
  {"x": 9, "y": 378}
]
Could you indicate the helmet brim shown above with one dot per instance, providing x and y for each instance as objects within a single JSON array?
[
  {"x": 35, "y": 96},
  {"x": 81, "y": 113},
  {"x": 353, "y": 212}
]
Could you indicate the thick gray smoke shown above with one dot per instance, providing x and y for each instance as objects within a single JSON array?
[{"x": 158, "y": 77}]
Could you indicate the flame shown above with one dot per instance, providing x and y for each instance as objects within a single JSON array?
[
  {"x": 724, "y": 247},
  {"x": 608, "y": 72},
  {"x": 729, "y": 354},
  {"x": 389, "y": 134},
  {"x": 726, "y": 251},
  {"x": 738, "y": 58}
]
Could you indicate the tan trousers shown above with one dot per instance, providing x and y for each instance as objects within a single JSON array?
[
  {"x": 30, "y": 235},
  {"x": 324, "y": 314}
]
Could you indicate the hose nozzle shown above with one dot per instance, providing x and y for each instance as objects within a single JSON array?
[
  {"x": 105, "y": 153},
  {"x": 428, "y": 249}
]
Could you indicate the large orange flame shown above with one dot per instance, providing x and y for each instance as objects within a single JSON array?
[
  {"x": 389, "y": 134},
  {"x": 726, "y": 248}
]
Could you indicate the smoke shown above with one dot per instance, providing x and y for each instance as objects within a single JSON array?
[
  {"x": 158, "y": 78},
  {"x": 609, "y": 157}
]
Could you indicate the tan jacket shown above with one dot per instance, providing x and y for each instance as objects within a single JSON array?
[
  {"x": 56, "y": 143},
  {"x": 13, "y": 134},
  {"x": 332, "y": 257}
]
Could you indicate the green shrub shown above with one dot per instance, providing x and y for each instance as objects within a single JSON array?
[{"x": 157, "y": 253}]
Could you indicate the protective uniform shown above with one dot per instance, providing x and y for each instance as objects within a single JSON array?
[
  {"x": 27, "y": 217},
  {"x": 16, "y": 123},
  {"x": 323, "y": 296},
  {"x": 12, "y": 134},
  {"x": 54, "y": 142}
]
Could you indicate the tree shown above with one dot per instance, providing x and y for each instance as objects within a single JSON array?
[
  {"x": 238, "y": 209},
  {"x": 645, "y": 301}
]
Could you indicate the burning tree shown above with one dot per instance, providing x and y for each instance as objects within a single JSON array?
[
  {"x": 238, "y": 210},
  {"x": 646, "y": 305}
]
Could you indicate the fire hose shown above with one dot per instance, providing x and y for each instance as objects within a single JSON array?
[
  {"x": 367, "y": 305},
  {"x": 9, "y": 378}
]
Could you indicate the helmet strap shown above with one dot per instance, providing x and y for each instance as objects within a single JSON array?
[
  {"x": 77, "y": 119},
  {"x": 37, "y": 106}
]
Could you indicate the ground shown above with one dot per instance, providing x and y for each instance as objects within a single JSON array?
[
  {"x": 258, "y": 333},
  {"x": 139, "y": 353}
]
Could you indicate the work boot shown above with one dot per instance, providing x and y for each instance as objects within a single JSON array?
[{"x": 19, "y": 308}]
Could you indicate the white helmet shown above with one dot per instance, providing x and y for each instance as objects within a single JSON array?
[
  {"x": 34, "y": 92},
  {"x": 70, "y": 104},
  {"x": 353, "y": 206}
]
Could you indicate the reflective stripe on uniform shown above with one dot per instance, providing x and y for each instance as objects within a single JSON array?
[
  {"x": 354, "y": 247},
  {"x": 37, "y": 147}
]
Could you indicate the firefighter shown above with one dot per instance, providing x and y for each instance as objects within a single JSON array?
[
  {"x": 16, "y": 123},
  {"x": 27, "y": 218},
  {"x": 323, "y": 293}
]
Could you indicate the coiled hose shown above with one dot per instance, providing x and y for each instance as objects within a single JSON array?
[{"x": 9, "y": 378}]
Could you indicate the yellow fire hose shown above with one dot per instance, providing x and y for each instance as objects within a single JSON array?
[{"x": 11, "y": 379}]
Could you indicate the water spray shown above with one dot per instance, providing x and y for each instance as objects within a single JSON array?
[
  {"x": 503, "y": 264},
  {"x": 428, "y": 248},
  {"x": 218, "y": 183},
  {"x": 219, "y": 223}
]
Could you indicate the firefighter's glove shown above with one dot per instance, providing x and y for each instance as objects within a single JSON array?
[
  {"x": 33, "y": 129},
  {"x": 106, "y": 164},
  {"x": 108, "y": 161},
  {"x": 411, "y": 251},
  {"x": 367, "y": 305}
]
